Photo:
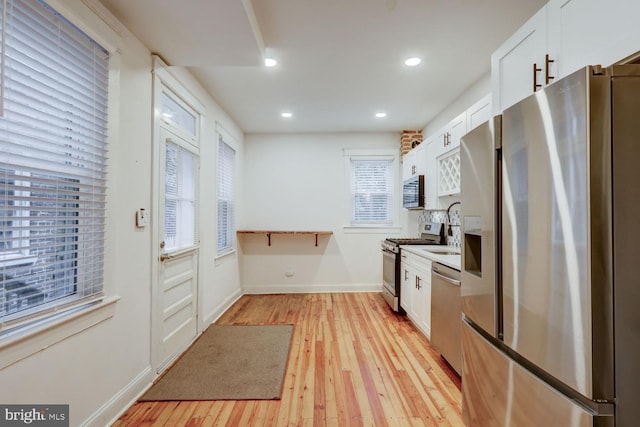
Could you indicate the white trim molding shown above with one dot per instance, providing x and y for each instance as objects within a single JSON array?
[
  {"x": 113, "y": 409},
  {"x": 25, "y": 341},
  {"x": 311, "y": 289}
]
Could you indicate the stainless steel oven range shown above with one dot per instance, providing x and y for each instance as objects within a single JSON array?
[{"x": 431, "y": 233}]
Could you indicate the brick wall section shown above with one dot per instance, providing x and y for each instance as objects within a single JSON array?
[{"x": 407, "y": 140}]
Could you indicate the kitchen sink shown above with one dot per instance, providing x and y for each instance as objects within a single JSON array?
[{"x": 441, "y": 252}]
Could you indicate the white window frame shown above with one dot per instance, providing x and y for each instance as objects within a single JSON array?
[
  {"x": 35, "y": 334},
  {"x": 224, "y": 137},
  {"x": 372, "y": 154}
]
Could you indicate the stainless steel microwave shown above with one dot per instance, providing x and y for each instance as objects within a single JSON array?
[{"x": 413, "y": 192}]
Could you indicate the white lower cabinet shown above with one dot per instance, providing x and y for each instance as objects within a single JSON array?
[
  {"x": 406, "y": 293},
  {"x": 415, "y": 290}
]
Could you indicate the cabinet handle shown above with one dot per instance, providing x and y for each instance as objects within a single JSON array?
[
  {"x": 448, "y": 138},
  {"x": 406, "y": 274},
  {"x": 418, "y": 286},
  {"x": 444, "y": 139},
  {"x": 536, "y": 86},
  {"x": 547, "y": 76}
]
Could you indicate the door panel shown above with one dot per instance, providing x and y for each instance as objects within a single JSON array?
[
  {"x": 546, "y": 232},
  {"x": 178, "y": 267},
  {"x": 499, "y": 392},
  {"x": 178, "y": 304},
  {"x": 479, "y": 189}
]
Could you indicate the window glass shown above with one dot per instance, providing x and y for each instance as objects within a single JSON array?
[
  {"x": 372, "y": 191},
  {"x": 372, "y": 184},
  {"x": 53, "y": 132},
  {"x": 178, "y": 115}
]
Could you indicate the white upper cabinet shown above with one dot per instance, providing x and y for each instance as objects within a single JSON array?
[
  {"x": 408, "y": 165},
  {"x": 519, "y": 64},
  {"x": 560, "y": 38},
  {"x": 479, "y": 113},
  {"x": 414, "y": 162},
  {"x": 449, "y": 173},
  {"x": 431, "y": 177},
  {"x": 591, "y": 32},
  {"x": 447, "y": 151},
  {"x": 448, "y": 138},
  {"x": 438, "y": 157}
]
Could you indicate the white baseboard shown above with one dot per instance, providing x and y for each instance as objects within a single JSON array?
[
  {"x": 121, "y": 401},
  {"x": 221, "y": 308},
  {"x": 311, "y": 289}
]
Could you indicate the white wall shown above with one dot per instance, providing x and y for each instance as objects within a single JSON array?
[
  {"x": 297, "y": 182},
  {"x": 101, "y": 369},
  {"x": 466, "y": 99}
]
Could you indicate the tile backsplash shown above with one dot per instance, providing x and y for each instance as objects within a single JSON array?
[{"x": 441, "y": 216}]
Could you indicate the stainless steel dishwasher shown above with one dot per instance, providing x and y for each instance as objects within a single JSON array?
[{"x": 446, "y": 314}]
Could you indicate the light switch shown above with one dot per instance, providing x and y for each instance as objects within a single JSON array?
[{"x": 142, "y": 218}]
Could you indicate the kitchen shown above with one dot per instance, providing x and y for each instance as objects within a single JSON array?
[{"x": 298, "y": 172}]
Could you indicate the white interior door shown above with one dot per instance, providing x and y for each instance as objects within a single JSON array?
[{"x": 177, "y": 290}]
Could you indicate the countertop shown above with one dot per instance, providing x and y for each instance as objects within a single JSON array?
[{"x": 428, "y": 251}]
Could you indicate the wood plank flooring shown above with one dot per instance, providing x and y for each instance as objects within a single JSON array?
[{"x": 353, "y": 362}]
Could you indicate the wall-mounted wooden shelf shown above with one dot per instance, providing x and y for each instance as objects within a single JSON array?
[{"x": 268, "y": 233}]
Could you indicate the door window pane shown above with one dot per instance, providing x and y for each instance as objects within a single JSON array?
[{"x": 180, "y": 197}]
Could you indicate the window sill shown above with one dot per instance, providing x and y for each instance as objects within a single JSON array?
[
  {"x": 372, "y": 229},
  {"x": 219, "y": 257},
  {"x": 24, "y": 341}
]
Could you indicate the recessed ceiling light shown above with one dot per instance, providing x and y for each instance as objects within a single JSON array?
[
  {"x": 287, "y": 115},
  {"x": 381, "y": 115},
  {"x": 412, "y": 62},
  {"x": 270, "y": 62}
]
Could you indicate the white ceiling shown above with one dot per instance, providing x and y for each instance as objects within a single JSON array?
[{"x": 339, "y": 61}]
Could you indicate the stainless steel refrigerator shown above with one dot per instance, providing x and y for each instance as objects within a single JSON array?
[{"x": 551, "y": 236}]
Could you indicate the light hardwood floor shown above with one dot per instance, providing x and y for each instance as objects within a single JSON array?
[{"x": 353, "y": 362}]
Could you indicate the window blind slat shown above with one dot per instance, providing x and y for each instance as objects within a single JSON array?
[
  {"x": 68, "y": 83},
  {"x": 54, "y": 154},
  {"x": 56, "y": 142},
  {"x": 28, "y": 22},
  {"x": 31, "y": 92}
]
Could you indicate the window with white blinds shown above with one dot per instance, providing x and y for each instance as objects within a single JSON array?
[
  {"x": 372, "y": 190},
  {"x": 180, "y": 204},
  {"x": 53, "y": 131},
  {"x": 226, "y": 203}
]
